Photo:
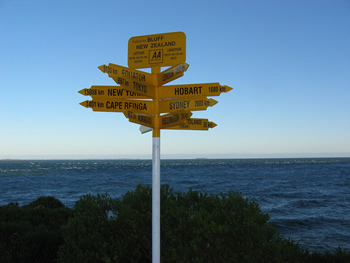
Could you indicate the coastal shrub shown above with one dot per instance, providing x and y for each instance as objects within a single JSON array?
[
  {"x": 31, "y": 233},
  {"x": 45, "y": 201},
  {"x": 110, "y": 230},
  {"x": 198, "y": 227},
  {"x": 339, "y": 255},
  {"x": 195, "y": 227},
  {"x": 90, "y": 234},
  {"x": 133, "y": 218}
]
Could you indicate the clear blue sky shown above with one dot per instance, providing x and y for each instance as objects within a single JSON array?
[{"x": 288, "y": 62}]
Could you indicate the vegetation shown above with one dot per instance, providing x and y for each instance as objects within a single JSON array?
[
  {"x": 196, "y": 227},
  {"x": 32, "y": 233}
]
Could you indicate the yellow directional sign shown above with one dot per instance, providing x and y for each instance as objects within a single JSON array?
[
  {"x": 192, "y": 90},
  {"x": 142, "y": 96},
  {"x": 166, "y": 49},
  {"x": 173, "y": 119},
  {"x": 140, "y": 118},
  {"x": 167, "y": 120},
  {"x": 172, "y": 73},
  {"x": 115, "y": 71},
  {"x": 110, "y": 92},
  {"x": 145, "y": 89},
  {"x": 173, "y": 105},
  {"x": 130, "y": 84},
  {"x": 119, "y": 105},
  {"x": 194, "y": 124}
]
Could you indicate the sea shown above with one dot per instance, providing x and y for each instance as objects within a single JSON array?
[{"x": 308, "y": 199}]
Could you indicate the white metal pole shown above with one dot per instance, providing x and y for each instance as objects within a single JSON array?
[
  {"x": 156, "y": 200},
  {"x": 156, "y": 173}
]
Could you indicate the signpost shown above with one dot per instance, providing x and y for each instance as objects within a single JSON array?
[
  {"x": 194, "y": 104},
  {"x": 144, "y": 100},
  {"x": 145, "y": 89},
  {"x": 140, "y": 118},
  {"x": 166, "y": 121},
  {"x": 119, "y": 105},
  {"x": 173, "y": 119},
  {"x": 110, "y": 92},
  {"x": 115, "y": 71},
  {"x": 172, "y": 73},
  {"x": 166, "y": 49},
  {"x": 133, "y": 82},
  {"x": 192, "y": 90},
  {"x": 194, "y": 124}
]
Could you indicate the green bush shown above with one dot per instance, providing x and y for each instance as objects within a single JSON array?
[
  {"x": 109, "y": 230},
  {"x": 90, "y": 235},
  {"x": 338, "y": 256},
  {"x": 31, "y": 233},
  {"x": 198, "y": 227},
  {"x": 133, "y": 218},
  {"x": 45, "y": 201},
  {"x": 195, "y": 227}
]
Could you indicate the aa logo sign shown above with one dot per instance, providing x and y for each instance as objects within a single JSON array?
[
  {"x": 156, "y": 56},
  {"x": 166, "y": 49}
]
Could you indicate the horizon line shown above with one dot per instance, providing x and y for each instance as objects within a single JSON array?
[{"x": 170, "y": 157}]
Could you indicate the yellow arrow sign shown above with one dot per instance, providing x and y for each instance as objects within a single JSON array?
[
  {"x": 140, "y": 118},
  {"x": 172, "y": 73},
  {"x": 115, "y": 71},
  {"x": 132, "y": 85},
  {"x": 173, "y": 119},
  {"x": 119, "y": 105},
  {"x": 173, "y": 105},
  {"x": 194, "y": 124},
  {"x": 166, "y": 49},
  {"x": 192, "y": 90},
  {"x": 110, "y": 92},
  {"x": 167, "y": 120}
]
